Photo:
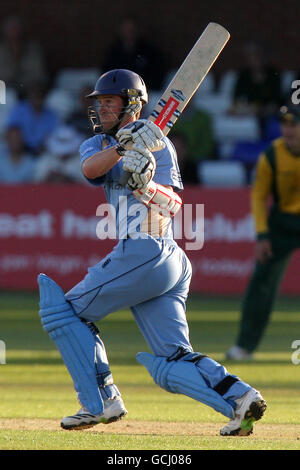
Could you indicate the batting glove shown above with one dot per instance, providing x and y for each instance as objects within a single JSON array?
[
  {"x": 140, "y": 162},
  {"x": 141, "y": 132}
]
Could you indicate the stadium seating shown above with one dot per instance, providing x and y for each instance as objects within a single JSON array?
[
  {"x": 221, "y": 173},
  {"x": 62, "y": 101},
  {"x": 74, "y": 79},
  {"x": 287, "y": 78},
  {"x": 10, "y": 101}
]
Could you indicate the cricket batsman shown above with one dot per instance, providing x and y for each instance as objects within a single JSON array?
[{"x": 146, "y": 271}]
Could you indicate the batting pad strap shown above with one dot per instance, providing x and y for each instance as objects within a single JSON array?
[
  {"x": 184, "y": 377},
  {"x": 178, "y": 354},
  {"x": 186, "y": 354},
  {"x": 105, "y": 379},
  {"x": 222, "y": 387}
]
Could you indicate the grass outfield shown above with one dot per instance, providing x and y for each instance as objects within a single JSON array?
[{"x": 36, "y": 390}]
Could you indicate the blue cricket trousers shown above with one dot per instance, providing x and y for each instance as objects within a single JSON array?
[{"x": 149, "y": 276}]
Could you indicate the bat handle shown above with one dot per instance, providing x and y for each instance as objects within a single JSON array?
[{"x": 124, "y": 178}]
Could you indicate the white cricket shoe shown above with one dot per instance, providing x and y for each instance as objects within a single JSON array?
[
  {"x": 250, "y": 408},
  {"x": 114, "y": 410},
  {"x": 236, "y": 353}
]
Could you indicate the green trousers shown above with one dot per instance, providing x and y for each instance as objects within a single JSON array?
[{"x": 264, "y": 283}]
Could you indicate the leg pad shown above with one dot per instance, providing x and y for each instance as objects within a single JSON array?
[
  {"x": 182, "y": 376},
  {"x": 74, "y": 340}
]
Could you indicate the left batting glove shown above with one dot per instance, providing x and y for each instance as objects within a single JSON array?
[
  {"x": 140, "y": 162},
  {"x": 141, "y": 132}
]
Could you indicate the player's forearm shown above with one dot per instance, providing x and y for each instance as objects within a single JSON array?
[
  {"x": 260, "y": 194},
  {"x": 100, "y": 163},
  {"x": 260, "y": 216}
]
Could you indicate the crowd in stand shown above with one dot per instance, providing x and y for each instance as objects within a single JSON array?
[{"x": 230, "y": 120}]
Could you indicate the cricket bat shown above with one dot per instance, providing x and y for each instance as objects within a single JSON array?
[{"x": 187, "y": 80}]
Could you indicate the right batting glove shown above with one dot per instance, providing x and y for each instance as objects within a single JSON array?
[
  {"x": 141, "y": 132},
  {"x": 141, "y": 164}
]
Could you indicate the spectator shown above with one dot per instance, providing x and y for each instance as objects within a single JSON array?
[
  {"x": 187, "y": 165},
  {"x": 257, "y": 89},
  {"x": 21, "y": 59},
  {"x": 60, "y": 163},
  {"x": 196, "y": 126},
  {"x": 79, "y": 119},
  {"x": 35, "y": 120},
  {"x": 16, "y": 166},
  {"x": 132, "y": 51}
]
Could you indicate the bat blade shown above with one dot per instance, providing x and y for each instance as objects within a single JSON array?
[
  {"x": 189, "y": 76},
  {"x": 187, "y": 80}
]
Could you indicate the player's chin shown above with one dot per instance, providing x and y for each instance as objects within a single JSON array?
[{"x": 108, "y": 124}]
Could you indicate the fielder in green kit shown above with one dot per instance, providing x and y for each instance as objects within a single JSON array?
[{"x": 278, "y": 230}]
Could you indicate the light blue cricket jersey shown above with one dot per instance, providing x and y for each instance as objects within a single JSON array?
[{"x": 130, "y": 215}]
